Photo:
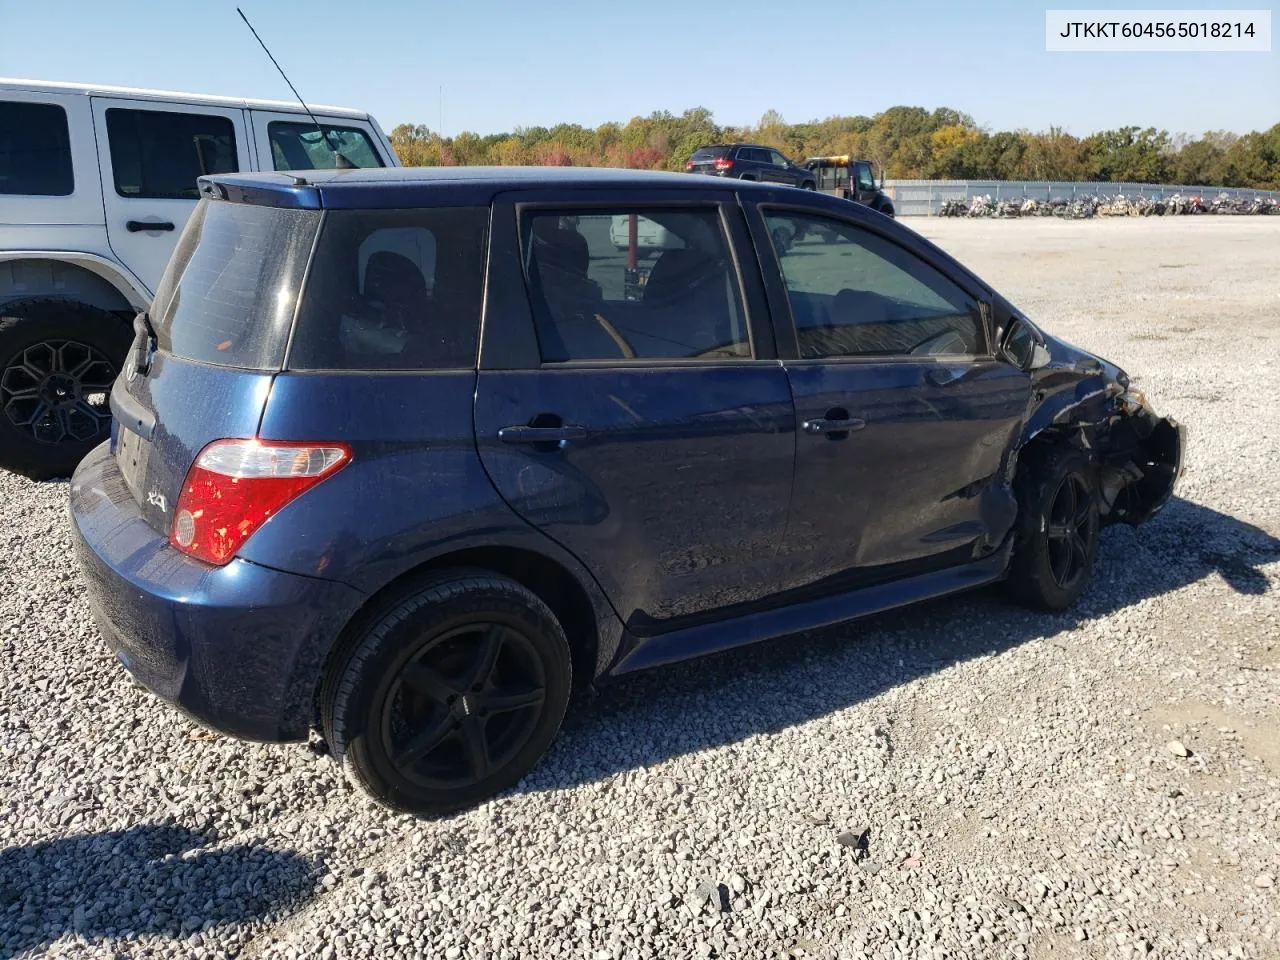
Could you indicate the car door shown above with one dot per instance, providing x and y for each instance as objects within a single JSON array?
[
  {"x": 630, "y": 404},
  {"x": 783, "y": 170},
  {"x": 770, "y": 172},
  {"x": 864, "y": 183},
  {"x": 290, "y": 141},
  {"x": 906, "y": 416},
  {"x": 154, "y": 154}
]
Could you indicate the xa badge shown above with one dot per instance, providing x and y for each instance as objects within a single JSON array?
[{"x": 156, "y": 500}]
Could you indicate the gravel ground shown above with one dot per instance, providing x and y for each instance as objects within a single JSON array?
[{"x": 958, "y": 780}]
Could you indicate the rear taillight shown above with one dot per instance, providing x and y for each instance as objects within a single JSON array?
[
  {"x": 235, "y": 486},
  {"x": 688, "y": 164},
  {"x": 724, "y": 163}
]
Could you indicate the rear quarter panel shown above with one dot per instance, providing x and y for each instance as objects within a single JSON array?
[{"x": 414, "y": 490}]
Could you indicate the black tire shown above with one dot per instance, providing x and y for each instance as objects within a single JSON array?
[
  {"x": 58, "y": 359},
  {"x": 1058, "y": 524},
  {"x": 409, "y": 685},
  {"x": 808, "y": 185},
  {"x": 887, "y": 210}
]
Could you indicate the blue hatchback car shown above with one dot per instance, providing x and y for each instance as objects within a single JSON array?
[{"x": 408, "y": 455}]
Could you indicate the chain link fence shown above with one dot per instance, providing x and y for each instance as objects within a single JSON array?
[{"x": 923, "y": 198}]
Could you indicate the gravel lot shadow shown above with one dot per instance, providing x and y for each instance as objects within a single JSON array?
[
  {"x": 143, "y": 880},
  {"x": 728, "y": 697}
]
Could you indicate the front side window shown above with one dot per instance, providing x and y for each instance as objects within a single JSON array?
[
  {"x": 865, "y": 180},
  {"x": 300, "y": 146},
  {"x": 778, "y": 159},
  {"x": 634, "y": 284},
  {"x": 35, "y": 150},
  {"x": 394, "y": 290},
  {"x": 158, "y": 155},
  {"x": 229, "y": 293},
  {"x": 855, "y": 294}
]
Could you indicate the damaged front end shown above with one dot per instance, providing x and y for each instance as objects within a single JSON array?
[
  {"x": 1139, "y": 456},
  {"x": 1087, "y": 401}
]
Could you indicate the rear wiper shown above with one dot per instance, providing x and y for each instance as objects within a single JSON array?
[{"x": 144, "y": 344}]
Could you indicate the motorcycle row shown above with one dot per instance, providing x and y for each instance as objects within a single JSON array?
[{"x": 1081, "y": 208}]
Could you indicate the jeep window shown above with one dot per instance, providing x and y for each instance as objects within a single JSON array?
[
  {"x": 865, "y": 180},
  {"x": 158, "y": 155},
  {"x": 681, "y": 300},
  {"x": 778, "y": 159},
  {"x": 300, "y": 146},
  {"x": 228, "y": 295},
  {"x": 394, "y": 290},
  {"x": 35, "y": 150},
  {"x": 855, "y": 294}
]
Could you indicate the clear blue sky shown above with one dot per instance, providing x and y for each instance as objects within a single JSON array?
[{"x": 538, "y": 62}]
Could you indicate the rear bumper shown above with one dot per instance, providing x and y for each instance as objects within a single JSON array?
[{"x": 240, "y": 648}]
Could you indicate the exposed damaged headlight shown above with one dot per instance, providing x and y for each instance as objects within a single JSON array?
[{"x": 1132, "y": 402}]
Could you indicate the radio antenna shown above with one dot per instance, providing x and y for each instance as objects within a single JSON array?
[{"x": 339, "y": 161}]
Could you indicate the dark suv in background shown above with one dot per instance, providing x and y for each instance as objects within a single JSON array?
[
  {"x": 749, "y": 161},
  {"x": 400, "y": 454}
]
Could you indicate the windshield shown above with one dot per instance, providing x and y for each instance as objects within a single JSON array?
[{"x": 228, "y": 295}]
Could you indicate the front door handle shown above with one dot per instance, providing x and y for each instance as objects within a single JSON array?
[
  {"x": 139, "y": 226},
  {"x": 833, "y": 425},
  {"x": 944, "y": 375},
  {"x": 526, "y": 434}
]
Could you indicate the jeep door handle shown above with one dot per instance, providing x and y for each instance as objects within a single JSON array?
[
  {"x": 833, "y": 426},
  {"x": 138, "y": 226},
  {"x": 526, "y": 434}
]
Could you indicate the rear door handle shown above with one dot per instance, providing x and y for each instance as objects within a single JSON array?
[
  {"x": 527, "y": 434},
  {"x": 833, "y": 426},
  {"x": 138, "y": 226}
]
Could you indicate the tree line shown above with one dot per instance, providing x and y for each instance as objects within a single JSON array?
[{"x": 904, "y": 142}]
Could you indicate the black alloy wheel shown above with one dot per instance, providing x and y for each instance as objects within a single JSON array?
[
  {"x": 465, "y": 705},
  {"x": 1057, "y": 528},
  {"x": 1070, "y": 531},
  {"x": 448, "y": 693},
  {"x": 58, "y": 391}
]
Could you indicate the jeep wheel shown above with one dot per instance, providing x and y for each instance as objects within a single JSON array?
[{"x": 58, "y": 360}]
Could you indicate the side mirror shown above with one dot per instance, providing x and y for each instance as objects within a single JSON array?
[{"x": 1022, "y": 346}]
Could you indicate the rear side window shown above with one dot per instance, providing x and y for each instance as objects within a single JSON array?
[
  {"x": 634, "y": 284},
  {"x": 158, "y": 155},
  {"x": 229, "y": 294},
  {"x": 394, "y": 290},
  {"x": 35, "y": 150},
  {"x": 300, "y": 146}
]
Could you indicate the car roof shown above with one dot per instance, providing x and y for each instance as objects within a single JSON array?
[
  {"x": 390, "y": 187},
  {"x": 135, "y": 93}
]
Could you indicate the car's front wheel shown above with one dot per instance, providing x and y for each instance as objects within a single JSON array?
[
  {"x": 1058, "y": 527},
  {"x": 451, "y": 696}
]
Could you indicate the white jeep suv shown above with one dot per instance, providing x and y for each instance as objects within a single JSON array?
[{"x": 96, "y": 184}]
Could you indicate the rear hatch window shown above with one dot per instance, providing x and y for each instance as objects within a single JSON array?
[
  {"x": 229, "y": 294},
  {"x": 708, "y": 154}
]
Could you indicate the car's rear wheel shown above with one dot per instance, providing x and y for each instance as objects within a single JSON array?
[
  {"x": 1058, "y": 526},
  {"x": 451, "y": 696},
  {"x": 58, "y": 360}
]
